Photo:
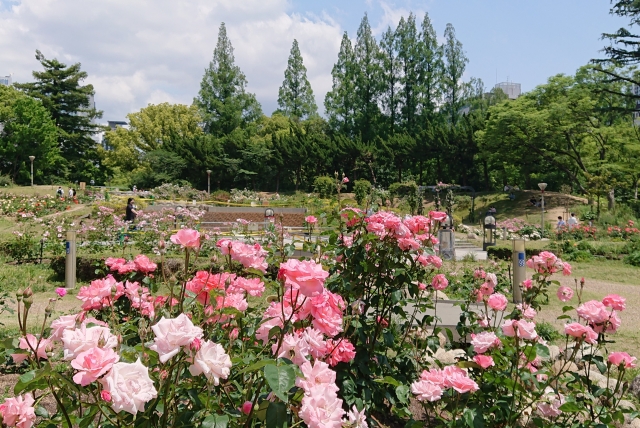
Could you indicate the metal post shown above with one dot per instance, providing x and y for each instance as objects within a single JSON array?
[
  {"x": 542, "y": 216},
  {"x": 70, "y": 267},
  {"x": 209, "y": 181},
  {"x": 31, "y": 158},
  {"x": 519, "y": 269}
]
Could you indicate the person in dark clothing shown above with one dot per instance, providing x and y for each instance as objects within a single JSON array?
[{"x": 131, "y": 212}]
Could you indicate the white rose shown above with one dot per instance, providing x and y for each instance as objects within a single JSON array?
[
  {"x": 130, "y": 387},
  {"x": 82, "y": 339},
  {"x": 173, "y": 333},
  {"x": 212, "y": 361}
]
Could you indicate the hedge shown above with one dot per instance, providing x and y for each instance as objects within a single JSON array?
[
  {"x": 506, "y": 253},
  {"x": 90, "y": 268}
]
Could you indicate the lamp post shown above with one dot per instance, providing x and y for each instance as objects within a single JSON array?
[
  {"x": 32, "y": 158},
  {"x": 447, "y": 246},
  {"x": 209, "y": 181},
  {"x": 488, "y": 230},
  {"x": 542, "y": 186}
]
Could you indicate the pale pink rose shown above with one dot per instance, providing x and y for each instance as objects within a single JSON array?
[
  {"x": 315, "y": 341},
  {"x": 484, "y": 361},
  {"x": 61, "y": 291},
  {"x": 130, "y": 387},
  {"x": 126, "y": 268},
  {"x": 253, "y": 286},
  {"x": 618, "y": 358},
  {"x": 593, "y": 311},
  {"x": 615, "y": 302},
  {"x": 434, "y": 261},
  {"x": 439, "y": 282},
  {"x": 437, "y": 215},
  {"x": 98, "y": 294},
  {"x": 486, "y": 289},
  {"x": 84, "y": 338},
  {"x": 306, "y": 275},
  {"x": 484, "y": 341},
  {"x": 311, "y": 219},
  {"x": 318, "y": 374},
  {"x": 357, "y": 419},
  {"x": 58, "y": 326},
  {"x": 144, "y": 264},
  {"x": 293, "y": 347},
  {"x": 580, "y": 331},
  {"x": 321, "y": 408},
  {"x": 565, "y": 293},
  {"x": 479, "y": 274},
  {"x": 339, "y": 350},
  {"x": 92, "y": 364},
  {"x": 492, "y": 279},
  {"x": 273, "y": 317},
  {"x": 246, "y": 407},
  {"x": 212, "y": 361},
  {"x": 250, "y": 256},
  {"x": 435, "y": 376},
  {"x": 456, "y": 378},
  {"x": 172, "y": 334},
  {"x": 523, "y": 329},
  {"x": 426, "y": 391},
  {"x": 186, "y": 238},
  {"x": 527, "y": 284},
  {"x": 18, "y": 411},
  {"x": 232, "y": 301},
  {"x": 550, "y": 408},
  {"x": 566, "y": 269},
  {"x": 31, "y": 342},
  {"x": 497, "y": 302},
  {"x": 527, "y": 311}
]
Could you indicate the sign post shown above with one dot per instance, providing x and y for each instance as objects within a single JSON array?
[
  {"x": 519, "y": 269},
  {"x": 70, "y": 266}
]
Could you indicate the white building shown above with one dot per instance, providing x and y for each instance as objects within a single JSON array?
[
  {"x": 512, "y": 90},
  {"x": 5, "y": 80}
]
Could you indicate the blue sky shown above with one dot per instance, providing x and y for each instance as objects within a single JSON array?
[{"x": 138, "y": 53}]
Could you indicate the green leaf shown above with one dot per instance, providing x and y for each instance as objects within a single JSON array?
[
  {"x": 42, "y": 412},
  {"x": 472, "y": 418},
  {"x": 258, "y": 365},
  {"x": 567, "y": 309},
  {"x": 542, "y": 351},
  {"x": 468, "y": 365},
  {"x": 281, "y": 379},
  {"x": 570, "y": 407},
  {"x": 277, "y": 415},
  {"x": 389, "y": 380},
  {"x": 402, "y": 392},
  {"x": 32, "y": 380},
  {"x": 215, "y": 421}
]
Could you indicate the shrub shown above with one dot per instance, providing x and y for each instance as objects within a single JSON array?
[
  {"x": 579, "y": 256},
  {"x": 547, "y": 331},
  {"x": 23, "y": 247},
  {"x": 408, "y": 191},
  {"x": 221, "y": 195},
  {"x": 5, "y": 180},
  {"x": 505, "y": 253},
  {"x": 362, "y": 190},
  {"x": 324, "y": 186},
  {"x": 633, "y": 259}
]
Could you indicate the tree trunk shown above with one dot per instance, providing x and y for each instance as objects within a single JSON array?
[
  {"x": 278, "y": 182},
  {"x": 611, "y": 199}
]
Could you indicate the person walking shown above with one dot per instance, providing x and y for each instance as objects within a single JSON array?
[
  {"x": 561, "y": 223},
  {"x": 60, "y": 192},
  {"x": 573, "y": 221},
  {"x": 130, "y": 212}
]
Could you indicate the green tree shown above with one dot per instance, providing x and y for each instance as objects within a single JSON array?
[
  {"x": 155, "y": 125},
  {"x": 455, "y": 62},
  {"x": 340, "y": 102},
  {"x": 389, "y": 98},
  {"x": 59, "y": 89},
  {"x": 409, "y": 57},
  {"x": 368, "y": 82},
  {"x": 295, "y": 96},
  {"x": 26, "y": 129},
  {"x": 223, "y": 101}
]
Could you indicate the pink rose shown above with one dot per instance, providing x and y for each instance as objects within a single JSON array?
[
  {"x": 250, "y": 256},
  {"x": 484, "y": 341},
  {"x": 18, "y": 411},
  {"x": 29, "y": 342},
  {"x": 497, "y": 302},
  {"x": 437, "y": 215},
  {"x": 246, "y": 407},
  {"x": 129, "y": 386},
  {"x": 345, "y": 180},
  {"x": 306, "y": 275},
  {"x": 318, "y": 374},
  {"x": 186, "y": 238},
  {"x": 253, "y": 286},
  {"x": 172, "y": 334},
  {"x": 98, "y": 294},
  {"x": 114, "y": 263},
  {"x": 526, "y": 310},
  {"x": 61, "y": 324},
  {"x": 566, "y": 269},
  {"x": 321, "y": 408},
  {"x": 618, "y": 358},
  {"x": 315, "y": 342},
  {"x": 212, "y": 361},
  {"x": 565, "y": 293},
  {"x": 486, "y": 289},
  {"x": 311, "y": 219},
  {"x": 456, "y": 378},
  {"x": 580, "y": 331},
  {"x": 593, "y": 311},
  {"x": 82, "y": 339},
  {"x": 527, "y": 284},
  {"x": 340, "y": 350},
  {"x": 105, "y": 395},
  {"x": 484, "y": 361},
  {"x": 143, "y": 264},
  {"x": 439, "y": 282},
  {"x": 92, "y": 364},
  {"x": 492, "y": 279},
  {"x": 615, "y": 302},
  {"x": 426, "y": 391},
  {"x": 406, "y": 244},
  {"x": 61, "y": 291},
  {"x": 523, "y": 329}
]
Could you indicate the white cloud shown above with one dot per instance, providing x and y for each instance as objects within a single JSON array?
[{"x": 140, "y": 52}]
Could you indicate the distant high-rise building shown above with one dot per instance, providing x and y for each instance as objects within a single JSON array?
[
  {"x": 512, "y": 90},
  {"x": 113, "y": 125},
  {"x": 5, "y": 80}
]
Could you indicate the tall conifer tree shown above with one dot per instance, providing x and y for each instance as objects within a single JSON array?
[
  {"x": 295, "y": 96},
  {"x": 390, "y": 81},
  {"x": 409, "y": 56},
  {"x": 368, "y": 77},
  {"x": 454, "y": 66},
  {"x": 340, "y": 102},
  {"x": 223, "y": 101}
]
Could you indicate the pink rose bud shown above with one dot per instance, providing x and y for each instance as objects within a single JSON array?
[
  {"x": 60, "y": 291},
  {"x": 105, "y": 395},
  {"x": 345, "y": 180},
  {"x": 195, "y": 344},
  {"x": 246, "y": 407}
]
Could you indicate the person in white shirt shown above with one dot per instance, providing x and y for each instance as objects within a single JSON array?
[{"x": 573, "y": 221}]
